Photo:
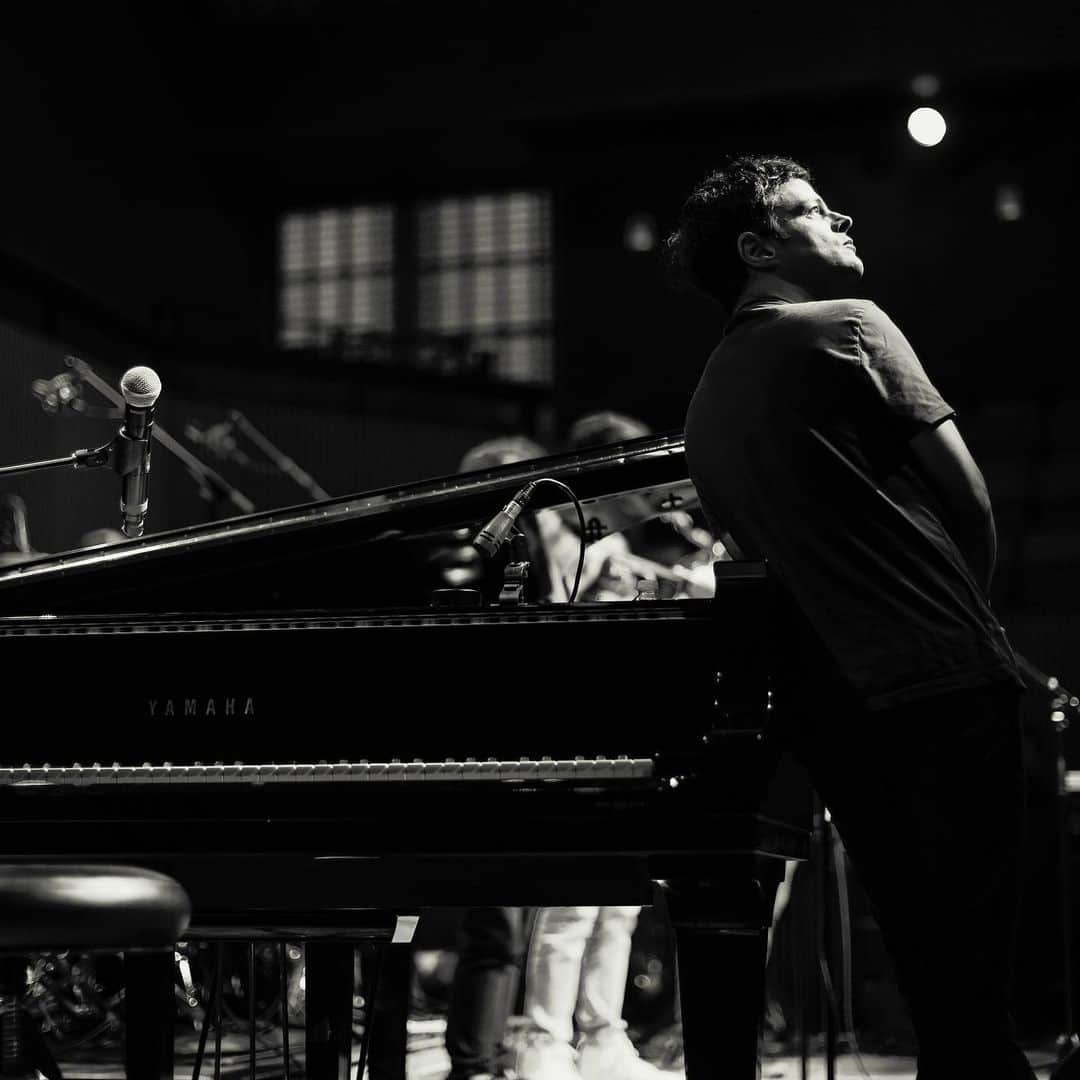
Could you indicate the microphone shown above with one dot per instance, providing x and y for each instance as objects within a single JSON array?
[
  {"x": 493, "y": 535},
  {"x": 140, "y": 387}
]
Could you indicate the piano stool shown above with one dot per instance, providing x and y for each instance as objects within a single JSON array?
[{"x": 46, "y": 907}]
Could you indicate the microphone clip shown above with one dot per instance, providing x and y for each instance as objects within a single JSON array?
[
  {"x": 515, "y": 583},
  {"x": 128, "y": 453}
]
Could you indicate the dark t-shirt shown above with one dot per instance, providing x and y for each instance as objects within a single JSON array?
[{"x": 797, "y": 440}]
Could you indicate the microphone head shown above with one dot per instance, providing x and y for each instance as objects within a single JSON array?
[{"x": 140, "y": 387}]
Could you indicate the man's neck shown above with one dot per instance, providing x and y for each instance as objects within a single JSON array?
[{"x": 769, "y": 286}]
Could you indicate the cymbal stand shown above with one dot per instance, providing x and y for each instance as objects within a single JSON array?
[{"x": 1062, "y": 703}]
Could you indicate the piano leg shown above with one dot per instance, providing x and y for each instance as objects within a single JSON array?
[
  {"x": 328, "y": 981},
  {"x": 150, "y": 1014},
  {"x": 721, "y": 918}
]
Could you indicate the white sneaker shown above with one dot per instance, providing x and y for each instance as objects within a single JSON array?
[
  {"x": 540, "y": 1057},
  {"x": 612, "y": 1056}
]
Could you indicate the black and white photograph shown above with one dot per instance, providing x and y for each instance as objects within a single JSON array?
[{"x": 539, "y": 542}]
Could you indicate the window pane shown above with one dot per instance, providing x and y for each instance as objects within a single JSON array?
[
  {"x": 328, "y": 303},
  {"x": 452, "y": 231},
  {"x": 294, "y": 247},
  {"x": 485, "y": 228},
  {"x": 336, "y": 269},
  {"x": 526, "y": 224},
  {"x": 371, "y": 236},
  {"x": 329, "y": 241},
  {"x": 523, "y": 287},
  {"x": 483, "y": 305}
]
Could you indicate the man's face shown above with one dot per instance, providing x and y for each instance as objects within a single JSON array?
[{"x": 813, "y": 249}]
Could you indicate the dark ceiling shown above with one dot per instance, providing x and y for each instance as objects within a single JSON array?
[{"x": 243, "y": 76}]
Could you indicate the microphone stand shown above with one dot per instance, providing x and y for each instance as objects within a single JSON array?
[
  {"x": 212, "y": 486},
  {"x": 78, "y": 459},
  {"x": 282, "y": 462},
  {"x": 1061, "y": 702}
]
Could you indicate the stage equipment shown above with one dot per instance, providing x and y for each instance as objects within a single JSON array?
[
  {"x": 128, "y": 452},
  {"x": 220, "y": 441},
  {"x": 66, "y": 390},
  {"x": 1061, "y": 703},
  {"x": 289, "y": 739}
]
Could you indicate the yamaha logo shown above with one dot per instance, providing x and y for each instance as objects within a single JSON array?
[{"x": 228, "y": 706}]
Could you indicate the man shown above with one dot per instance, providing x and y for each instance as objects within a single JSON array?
[{"x": 816, "y": 441}]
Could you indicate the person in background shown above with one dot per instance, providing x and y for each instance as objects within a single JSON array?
[
  {"x": 491, "y": 940},
  {"x": 579, "y": 957}
]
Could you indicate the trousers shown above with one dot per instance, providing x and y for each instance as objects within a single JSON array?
[
  {"x": 928, "y": 798},
  {"x": 576, "y": 969},
  {"x": 491, "y": 949}
]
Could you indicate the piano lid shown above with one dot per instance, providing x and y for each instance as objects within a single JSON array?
[{"x": 357, "y": 551}]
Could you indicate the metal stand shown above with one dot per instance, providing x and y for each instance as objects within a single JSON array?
[
  {"x": 213, "y": 487},
  {"x": 78, "y": 459},
  {"x": 822, "y": 858},
  {"x": 1061, "y": 703}
]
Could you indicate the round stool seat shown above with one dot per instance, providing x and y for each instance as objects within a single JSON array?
[{"x": 58, "y": 906}]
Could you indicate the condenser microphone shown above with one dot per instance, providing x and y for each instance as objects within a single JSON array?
[
  {"x": 140, "y": 387},
  {"x": 493, "y": 535}
]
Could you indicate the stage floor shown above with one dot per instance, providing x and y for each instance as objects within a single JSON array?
[{"x": 427, "y": 1060}]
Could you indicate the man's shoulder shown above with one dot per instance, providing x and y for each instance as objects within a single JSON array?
[{"x": 851, "y": 310}]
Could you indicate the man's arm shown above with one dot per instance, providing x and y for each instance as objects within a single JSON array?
[{"x": 949, "y": 469}]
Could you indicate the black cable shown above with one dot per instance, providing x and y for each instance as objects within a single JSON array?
[{"x": 581, "y": 522}]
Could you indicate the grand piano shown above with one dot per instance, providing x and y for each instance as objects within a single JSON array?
[{"x": 283, "y": 712}]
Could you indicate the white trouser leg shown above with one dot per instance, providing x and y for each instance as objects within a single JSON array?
[
  {"x": 553, "y": 970},
  {"x": 604, "y": 968}
]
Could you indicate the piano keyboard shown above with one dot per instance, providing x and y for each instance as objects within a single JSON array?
[{"x": 577, "y": 770}]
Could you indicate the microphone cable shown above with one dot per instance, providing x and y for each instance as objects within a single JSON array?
[{"x": 581, "y": 535}]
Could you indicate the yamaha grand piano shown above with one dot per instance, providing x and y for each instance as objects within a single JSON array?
[{"x": 272, "y": 710}]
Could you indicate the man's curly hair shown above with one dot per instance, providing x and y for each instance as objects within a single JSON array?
[{"x": 741, "y": 196}]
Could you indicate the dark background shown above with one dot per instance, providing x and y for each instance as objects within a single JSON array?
[{"x": 150, "y": 151}]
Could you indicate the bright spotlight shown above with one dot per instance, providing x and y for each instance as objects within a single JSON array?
[{"x": 926, "y": 126}]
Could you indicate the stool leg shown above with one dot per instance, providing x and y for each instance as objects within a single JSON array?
[
  {"x": 208, "y": 1019},
  {"x": 328, "y": 980},
  {"x": 283, "y": 973},
  {"x": 148, "y": 978},
  {"x": 251, "y": 1007},
  {"x": 218, "y": 976}
]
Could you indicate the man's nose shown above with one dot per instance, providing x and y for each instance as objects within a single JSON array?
[{"x": 840, "y": 222}]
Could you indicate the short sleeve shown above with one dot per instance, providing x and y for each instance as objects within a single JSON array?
[{"x": 895, "y": 375}]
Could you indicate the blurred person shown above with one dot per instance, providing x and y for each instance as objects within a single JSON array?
[
  {"x": 100, "y": 537},
  {"x": 670, "y": 549},
  {"x": 579, "y": 957},
  {"x": 816, "y": 441},
  {"x": 491, "y": 940},
  {"x": 15, "y": 546}
]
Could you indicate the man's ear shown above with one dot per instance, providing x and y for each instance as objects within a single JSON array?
[{"x": 758, "y": 252}]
